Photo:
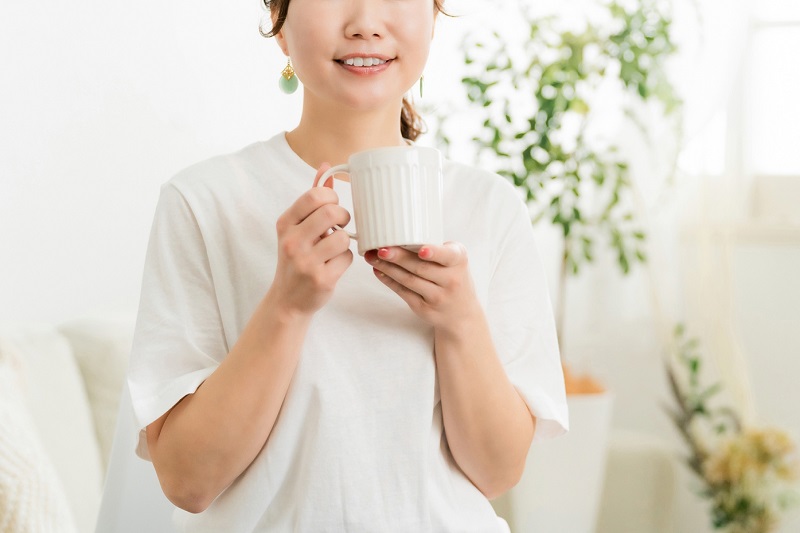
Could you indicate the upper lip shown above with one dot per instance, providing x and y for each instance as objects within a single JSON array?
[{"x": 359, "y": 54}]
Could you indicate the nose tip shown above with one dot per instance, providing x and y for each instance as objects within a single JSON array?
[
  {"x": 365, "y": 21},
  {"x": 362, "y": 35}
]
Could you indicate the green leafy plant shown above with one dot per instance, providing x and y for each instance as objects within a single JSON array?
[
  {"x": 534, "y": 96},
  {"x": 748, "y": 474}
]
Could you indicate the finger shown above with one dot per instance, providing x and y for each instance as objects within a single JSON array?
[
  {"x": 307, "y": 204},
  {"x": 396, "y": 254},
  {"x": 411, "y": 262},
  {"x": 324, "y": 218},
  {"x": 320, "y": 171},
  {"x": 412, "y": 298},
  {"x": 331, "y": 245},
  {"x": 341, "y": 262},
  {"x": 408, "y": 279},
  {"x": 448, "y": 254}
]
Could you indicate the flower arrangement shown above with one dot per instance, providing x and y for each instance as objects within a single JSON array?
[{"x": 749, "y": 474}]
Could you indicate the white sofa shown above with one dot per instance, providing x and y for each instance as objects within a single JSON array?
[{"x": 60, "y": 390}]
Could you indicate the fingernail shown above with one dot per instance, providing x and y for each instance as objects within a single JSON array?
[
  {"x": 425, "y": 253},
  {"x": 383, "y": 253}
]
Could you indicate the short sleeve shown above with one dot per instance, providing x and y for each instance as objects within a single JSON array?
[
  {"x": 521, "y": 319},
  {"x": 178, "y": 339}
]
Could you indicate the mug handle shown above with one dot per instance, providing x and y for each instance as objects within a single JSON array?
[{"x": 338, "y": 169}]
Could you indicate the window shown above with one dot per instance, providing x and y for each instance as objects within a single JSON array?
[{"x": 771, "y": 90}]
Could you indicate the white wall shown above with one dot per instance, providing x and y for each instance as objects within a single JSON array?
[{"x": 102, "y": 102}]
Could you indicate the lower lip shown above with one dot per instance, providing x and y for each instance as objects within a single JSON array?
[{"x": 366, "y": 71}]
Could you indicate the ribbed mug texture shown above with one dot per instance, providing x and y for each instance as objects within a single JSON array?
[{"x": 397, "y": 197}]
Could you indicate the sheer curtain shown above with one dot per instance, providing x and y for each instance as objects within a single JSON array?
[
  {"x": 692, "y": 218},
  {"x": 698, "y": 213}
]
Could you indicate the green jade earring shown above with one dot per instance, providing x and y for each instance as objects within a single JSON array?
[{"x": 288, "y": 80}]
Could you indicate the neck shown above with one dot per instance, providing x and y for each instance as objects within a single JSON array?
[{"x": 332, "y": 136}]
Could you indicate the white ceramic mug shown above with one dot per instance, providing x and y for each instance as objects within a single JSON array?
[{"x": 397, "y": 196}]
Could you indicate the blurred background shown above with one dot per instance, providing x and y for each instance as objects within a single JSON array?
[{"x": 101, "y": 102}]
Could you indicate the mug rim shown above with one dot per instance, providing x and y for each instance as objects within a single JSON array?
[{"x": 426, "y": 152}]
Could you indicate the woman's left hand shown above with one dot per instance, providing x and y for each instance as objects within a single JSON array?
[
  {"x": 489, "y": 428},
  {"x": 435, "y": 282}
]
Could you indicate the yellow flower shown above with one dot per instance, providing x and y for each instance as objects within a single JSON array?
[{"x": 752, "y": 457}]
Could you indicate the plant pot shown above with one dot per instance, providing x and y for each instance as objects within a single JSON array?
[{"x": 561, "y": 488}]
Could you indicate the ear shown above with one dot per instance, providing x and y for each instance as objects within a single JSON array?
[
  {"x": 281, "y": 40},
  {"x": 279, "y": 37}
]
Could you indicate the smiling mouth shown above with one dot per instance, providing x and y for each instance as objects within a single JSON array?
[{"x": 363, "y": 61}]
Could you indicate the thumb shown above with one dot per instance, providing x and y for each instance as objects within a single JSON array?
[{"x": 320, "y": 171}]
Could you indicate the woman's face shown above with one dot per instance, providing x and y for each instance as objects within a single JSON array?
[{"x": 362, "y": 54}]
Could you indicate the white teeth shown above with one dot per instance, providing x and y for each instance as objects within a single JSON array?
[{"x": 364, "y": 61}]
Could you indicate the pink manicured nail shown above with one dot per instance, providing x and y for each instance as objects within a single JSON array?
[
  {"x": 425, "y": 253},
  {"x": 383, "y": 253}
]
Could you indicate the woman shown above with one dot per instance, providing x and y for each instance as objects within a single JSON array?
[{"x": 282, "y": 386}]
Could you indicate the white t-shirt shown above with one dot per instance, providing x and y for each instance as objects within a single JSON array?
[{"x": 359, "y": 443}]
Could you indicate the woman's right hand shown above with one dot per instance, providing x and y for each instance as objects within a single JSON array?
[
  {"x": 310, "y": 258},
  {"x": 192, "y": 469}
]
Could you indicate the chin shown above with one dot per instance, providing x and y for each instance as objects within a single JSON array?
[{"x": 369, "y": 101}]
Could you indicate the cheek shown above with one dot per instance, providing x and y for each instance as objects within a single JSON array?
[
  {"x": 417, "y": 33},
  {"x": 417, "y": 43},
  {"x": 305, "y": 32},
  {"x": 305, "y": 52}
]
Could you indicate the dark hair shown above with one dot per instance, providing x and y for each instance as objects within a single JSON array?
[{"x": 411, "y": 124}]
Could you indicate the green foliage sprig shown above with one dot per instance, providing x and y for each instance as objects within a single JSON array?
[{"x": 535, "y": 100}]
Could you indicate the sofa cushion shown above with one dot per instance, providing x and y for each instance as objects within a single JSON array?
[
  {"x": 31, "y": 495},
  {"x": 55, "y": 396},
  {"x": 101, "y": 348}
]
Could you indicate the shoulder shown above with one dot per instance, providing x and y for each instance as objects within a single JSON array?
[
  {"x": 234, "y": 180},
  {"x": 485, "y": 212},
  {"x": 492, "y": 192},
  {"x": 220, "y": 171},
  {"x": 238, "y": 191}
]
